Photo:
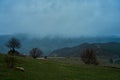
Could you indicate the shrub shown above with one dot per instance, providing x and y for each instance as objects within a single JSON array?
[
  {"x": 45, "y": 57},
  {"x": 89, "y": 57},
  {"x": 35, "y": 52}
]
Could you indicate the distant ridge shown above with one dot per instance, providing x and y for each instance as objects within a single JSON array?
[
  {"x": 48, "y": 44},
  {"x": 102, "y": 49}
]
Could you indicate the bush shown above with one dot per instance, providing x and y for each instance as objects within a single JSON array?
[
  {"x": 35, "y": 52},
  {"x": 10, "y": 61},
  {"x": 45, "y": 57},
  {"x": 89, "y": 57}
]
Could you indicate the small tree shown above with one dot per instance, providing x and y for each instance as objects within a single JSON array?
[
  {"x": 89, "y": 56},
  {"x": 35, "y": 52},
  {"x": 45, "y": 57},
  {"x": 13, "y": 43}
]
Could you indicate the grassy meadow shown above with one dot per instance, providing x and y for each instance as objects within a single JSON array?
[{"x": 52, "y": 69}]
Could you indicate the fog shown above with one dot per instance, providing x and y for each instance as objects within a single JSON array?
[{"x": 68, "y": 18}]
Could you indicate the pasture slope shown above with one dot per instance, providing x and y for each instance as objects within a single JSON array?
[{"x": 52, "y": 70}]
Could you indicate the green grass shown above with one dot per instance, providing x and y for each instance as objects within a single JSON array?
[{"x": 52, "y": 70}]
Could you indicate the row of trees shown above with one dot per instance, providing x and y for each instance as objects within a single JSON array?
[
  {"x": 14, "y": 44},
  {"x": 88, "y": 55}
]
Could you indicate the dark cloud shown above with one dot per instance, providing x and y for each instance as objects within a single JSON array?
[{"x": 60, "y": 17}]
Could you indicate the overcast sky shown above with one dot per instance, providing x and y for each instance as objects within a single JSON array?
[{"x": 71, "y": 18}]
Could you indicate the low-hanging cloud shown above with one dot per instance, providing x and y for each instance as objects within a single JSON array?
[{"x": 70, "y": 18}]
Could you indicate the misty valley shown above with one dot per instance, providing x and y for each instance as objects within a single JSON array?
[
  {"x": 59, "y": 39},
  {"x": 21, "y": 55}
]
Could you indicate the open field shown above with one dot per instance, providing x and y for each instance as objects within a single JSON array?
[{"x": 53, "y": 70}]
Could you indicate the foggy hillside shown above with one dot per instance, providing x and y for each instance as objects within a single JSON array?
[
  {"x": 48, "y": 44},
  {"x": 109, "y": 49}
]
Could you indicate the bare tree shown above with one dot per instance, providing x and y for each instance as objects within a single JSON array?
[
  {"x": 89, "y": 56},
  {"x": 13, "y": 43},
  {"x": 35, "y": 52}
]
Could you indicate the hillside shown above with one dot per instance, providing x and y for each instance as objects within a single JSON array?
[
  {"x": 52, "y": 70},
  {"x": 102, "y": 49},
  {"x": 48, "y": 44}
]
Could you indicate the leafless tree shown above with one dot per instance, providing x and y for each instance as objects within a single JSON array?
[
  {"x": 89, "y": 56},
  {"x": 13, "y": 43},
  {"x": 35, "y": 52}
]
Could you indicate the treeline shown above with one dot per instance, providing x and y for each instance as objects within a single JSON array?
[
  {"x": 13, "y": 44},
  {"x": 88, "y": 56}
]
